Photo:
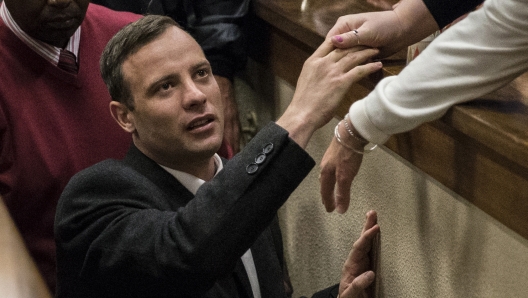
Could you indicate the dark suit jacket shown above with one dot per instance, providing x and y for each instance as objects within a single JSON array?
[{"x": 130, "y": 229}]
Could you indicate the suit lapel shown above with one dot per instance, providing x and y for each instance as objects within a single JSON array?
[
  {"x": 177, "y": 193},
  {"x": 269, "y": 271}
]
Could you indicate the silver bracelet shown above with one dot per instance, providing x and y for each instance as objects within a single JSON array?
[
  {"x": 347, "y": 127},
  {"x": 358, "y": 138},
  {"x": 338, "y": 138}
]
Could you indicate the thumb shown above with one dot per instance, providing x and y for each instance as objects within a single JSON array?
[{"x": 358, "y": 285}]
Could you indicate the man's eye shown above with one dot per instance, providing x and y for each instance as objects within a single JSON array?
[
  {"x": 165, "y": 86},
  {"x": 202, "y": 72}
]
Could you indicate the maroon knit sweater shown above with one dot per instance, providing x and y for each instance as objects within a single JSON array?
[{"x": 52, "y": 125}]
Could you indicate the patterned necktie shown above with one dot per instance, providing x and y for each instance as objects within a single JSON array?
[{"x": 67, "y": 62}]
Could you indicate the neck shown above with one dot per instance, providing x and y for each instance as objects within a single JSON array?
[
  {"x": 200, "y": 165},
  {"x": 203, "y": 170}
]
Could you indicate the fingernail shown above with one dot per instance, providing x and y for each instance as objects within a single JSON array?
[
  {"x": 338, "y": 38},
  {"x": 370, "y": 276}
]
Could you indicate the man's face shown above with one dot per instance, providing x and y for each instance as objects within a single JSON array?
[
  {"x": 51, "y": 21},
  {"x": 178, "y": 112}
]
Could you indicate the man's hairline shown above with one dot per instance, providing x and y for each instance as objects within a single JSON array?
[{"x": 126, "y": 83}]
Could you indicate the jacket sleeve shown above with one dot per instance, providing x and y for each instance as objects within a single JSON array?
[
  {"x": 476, "y": 56},
  {"x": 331, "y": 292},
  {"x": 112, "y": 227},
  {"x": 446, "y": 11}
]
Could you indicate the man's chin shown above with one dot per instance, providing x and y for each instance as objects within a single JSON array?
[{"x": 209, "y": 149}]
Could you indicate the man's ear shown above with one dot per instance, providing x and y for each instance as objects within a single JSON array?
[{"x": 122, "y": 116}]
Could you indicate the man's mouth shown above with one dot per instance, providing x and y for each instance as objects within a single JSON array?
[
  {"x": 62, "y": 23},
  {"x": 199, "y": 123}
]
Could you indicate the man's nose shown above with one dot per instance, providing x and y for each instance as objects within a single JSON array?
[{"x": 193, "y": 96}]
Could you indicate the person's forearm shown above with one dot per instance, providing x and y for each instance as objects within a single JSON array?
[
  {"x": 416, "y": 21},
  {"x": 476, "y": 56},
  {"x": 299, "y": 130}
]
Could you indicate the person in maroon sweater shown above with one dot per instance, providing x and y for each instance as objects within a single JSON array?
[{"x": 52, "y": 123}]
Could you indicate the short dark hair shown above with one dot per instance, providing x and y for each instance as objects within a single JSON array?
[{"x": 126, "y": 42}]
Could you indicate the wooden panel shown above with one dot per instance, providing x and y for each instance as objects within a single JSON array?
[
  {"x": 488, "y": 180},
  {"x": 478, "y": 149}
]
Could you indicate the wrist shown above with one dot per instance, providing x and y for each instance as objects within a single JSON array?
[
  {"x": 349, "y": 138},
  {"x": 352, "y": 131},
  {"x": 347, "y": 141},
  {"x": 299, "y": 128},
  {"x": 416, "y": 22}
]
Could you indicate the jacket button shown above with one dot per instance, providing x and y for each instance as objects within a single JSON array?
[
  {"x": 252, "y": 168},
  {"x": 260, "y": 158},
  {"x": 268, "y": 148}
]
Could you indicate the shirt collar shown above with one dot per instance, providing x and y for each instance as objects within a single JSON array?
[
  {"x": 47, "y": 51},
  {"x": 191, "y": 182}
]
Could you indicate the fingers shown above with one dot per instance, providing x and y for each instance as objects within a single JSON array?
[
  {"x": 348, "y": 163},
  {"x": 327, "y": 192},
  {"x": 335, "y": 188},
  {"x": 347, "y": 39},
  {"x": 361, "y": 36},
  {"x": 339, "y": 167},
  {"x": 363, "y": 244},
  {"x": 354, "y": 59},
  {"x": 358, "y": 285},
  {"x": 327, "y": 177},
  {"x": 371, "y": 220},
  {"x": 350, "y": 65},
  {"x": 355, "y": 278},
  {"x": 324, "y": 49},
  {"x": 342, "y": 195},
  {"x": 346, "y": 23}
]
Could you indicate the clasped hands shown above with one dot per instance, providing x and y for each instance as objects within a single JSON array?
[{"x": 388, "y": 31}]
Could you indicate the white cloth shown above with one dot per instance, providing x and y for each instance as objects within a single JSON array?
[
  {"x": 480, "y": 54},
  {"x": 192, "y": 183}
]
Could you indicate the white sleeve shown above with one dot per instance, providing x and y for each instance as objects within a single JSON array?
[{"x": 476, "y": 56}]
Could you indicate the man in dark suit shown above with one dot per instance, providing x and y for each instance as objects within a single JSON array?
[{"x": 173, "y": 219}]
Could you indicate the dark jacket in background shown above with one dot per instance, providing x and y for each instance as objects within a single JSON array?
[{"x": 217, "y": 25}]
